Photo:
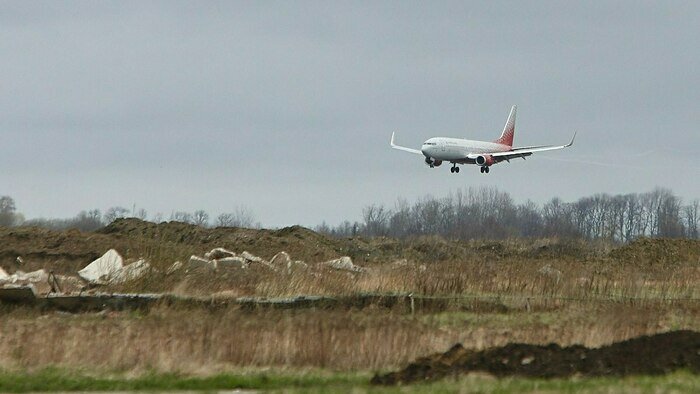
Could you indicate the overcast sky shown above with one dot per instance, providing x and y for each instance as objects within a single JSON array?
[{"x": 287, "y": 107}]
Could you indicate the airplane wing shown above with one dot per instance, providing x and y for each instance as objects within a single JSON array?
[
  {"x": 403, "y": 148},
  {"x": 522, "y": 152}
]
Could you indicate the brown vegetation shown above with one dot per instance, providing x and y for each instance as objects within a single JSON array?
[
  {"x": 196, "y": 340},
  {"x": 489, "y": 293},
  {"x": 432, "y": 266}
]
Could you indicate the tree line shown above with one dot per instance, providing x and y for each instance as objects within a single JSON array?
[
  {"x": 95, "y": 219},
  {"x": 488, "y": 213},
  {"x": 473, "y": 213}
]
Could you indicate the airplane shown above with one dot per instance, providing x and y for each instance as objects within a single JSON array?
[{"x": 481, "y": 153}]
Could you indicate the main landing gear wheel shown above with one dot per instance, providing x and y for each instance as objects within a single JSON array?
[
  {"x": 485, "y": 170},
  {"x": 454, "y": 169}
]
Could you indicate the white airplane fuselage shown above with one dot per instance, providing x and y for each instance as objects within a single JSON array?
[{"x": 456, "y": 149}]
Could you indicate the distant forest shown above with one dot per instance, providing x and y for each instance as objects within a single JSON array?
[
  {"x": 474, "y": 213},
  {"x": 488, "y": 213}
]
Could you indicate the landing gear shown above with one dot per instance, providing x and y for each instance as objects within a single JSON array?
[
  {"x": 454, "y": 169},
  {"x": 485, "y": 170}
]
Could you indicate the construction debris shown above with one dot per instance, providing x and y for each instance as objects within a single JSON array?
[
  {"x": 220, "y": 257},
  {"x": 344, "y": 264},
  {"x": 219, "y": 253},
  {"x": 132, "y": 271},
  {"x": 251, "y": 258},
  {"x": 231, "y": 262},
  {"x": 283, "y": 262},
  {"x": 3, "y": 275},
  {"x": 110, "y": 268},
  {"x": 103, "y": 269},
  {"x": 174, "y": 268}
]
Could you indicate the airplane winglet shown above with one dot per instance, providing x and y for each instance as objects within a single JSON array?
[
  {"x": 403, "y": 148},
  {"x": 572, "y": 140}
]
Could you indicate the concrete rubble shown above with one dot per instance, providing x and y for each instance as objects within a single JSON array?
[
  {"x": 196, "y": 262},
  {"x": 103, "y": 269},
  {"x": 219, "y": 253},
  {"x": 344, "y": 264},
  {"x": 174, "y": 268},
  {"x": 224, "y": 258},
  {"x": 132, "y": 271},
  {"x": 282, "y": 261},
  {"x": 21, "y": 277},
  {"x": 110, "y": 268},
  {"x": 3, "y": 275}
]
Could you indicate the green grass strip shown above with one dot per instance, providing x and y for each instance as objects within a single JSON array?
[{"x": 52, "y": 380}]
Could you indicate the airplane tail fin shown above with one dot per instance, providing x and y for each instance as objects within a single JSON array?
[{"x": 508, "y": 129}]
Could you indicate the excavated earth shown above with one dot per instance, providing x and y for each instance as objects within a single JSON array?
[
  {"x": 646, "y": 355},
  {"x": 70, "y": 250}
]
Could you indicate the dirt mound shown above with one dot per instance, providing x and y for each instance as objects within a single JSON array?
[
  {"x": 646, "y": 355},
  {"x": 659, "y": 252},
  {"x": 299, "y": 242},
  {"x": 67, "y": 251}
]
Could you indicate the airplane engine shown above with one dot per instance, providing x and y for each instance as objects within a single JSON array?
[
  {"x": 485, "y": 160},
  {"x": 433, "y": 162}
]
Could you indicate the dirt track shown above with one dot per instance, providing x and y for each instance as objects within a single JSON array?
[{"x": 646, "y": 355}]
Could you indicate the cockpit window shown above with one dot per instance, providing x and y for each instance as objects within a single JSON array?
[{"x": 429, "y": 143}]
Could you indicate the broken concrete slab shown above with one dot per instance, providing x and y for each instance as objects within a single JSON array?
[
  {"x": 232, "y": 262},
  {"x": 281, "y": 260},
  {"x": 174, "y": 268},
  {"x": 31, "y": 277},
  {"x": 101, "y": 270},
  {"x": 132, "y": 271},
  {"x": 219, "y": 253},
  {"x": 343, "y": 264},
  {"x": 252, "y": 258},
  {"x": 4, "y": 276},
  {"x": 196, "y": 262}
]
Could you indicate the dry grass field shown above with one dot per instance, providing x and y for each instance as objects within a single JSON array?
[{"x": 480, "y": 294}]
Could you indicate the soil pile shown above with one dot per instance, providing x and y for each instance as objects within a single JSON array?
[
  {"x": 62, "y": 251},
  {"x": 298, "y": 241},
  {"x": 661, "y": 253},
  {"x": 646, "y": 355}
]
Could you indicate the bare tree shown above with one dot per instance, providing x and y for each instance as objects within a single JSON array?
[
  {"x": 376, "y": 218},
  {"x": 7, "y": 211},
  {"x": 225, "y": 220},
  {"x": 200, "y": 218},
  {"x": 691, "y": 214},
  {"x": 141, "y": 214},
  {"x": 240, "y": 217},
  {"x": 115, "y": 213},
  {"x": 180, "y": 216},
  {"x": 87, "y": 221}
]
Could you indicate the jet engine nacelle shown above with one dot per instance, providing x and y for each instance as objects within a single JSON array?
[
  {"x": 485, "y": 160},
  {"x": 432, "y": 162}
]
